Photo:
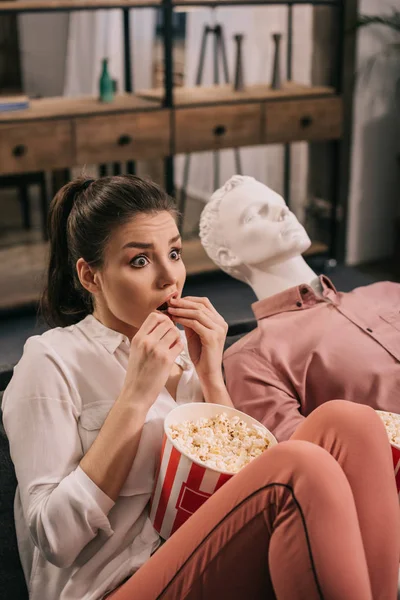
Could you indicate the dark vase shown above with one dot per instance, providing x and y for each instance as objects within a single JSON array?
[
  {"x": 239, "y": 78},
  {"x": 276, "y": 70},
  {"x": 106, "y": 84}
]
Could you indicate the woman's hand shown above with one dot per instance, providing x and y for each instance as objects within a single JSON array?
[
  {"x": 154, "y": 349},
  {"x": 205, "y": 333}
]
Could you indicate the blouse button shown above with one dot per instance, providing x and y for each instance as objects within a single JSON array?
[
  {"x": 369, "y": 330},
  {"x": 299, "y": 304},
  {"x": 303, "y": 291}
]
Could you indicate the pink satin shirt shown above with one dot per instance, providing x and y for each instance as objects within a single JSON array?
[{"x": 307, "y": 350}]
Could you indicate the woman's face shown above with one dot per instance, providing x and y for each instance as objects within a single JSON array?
[{"x": 142, "y": 269}]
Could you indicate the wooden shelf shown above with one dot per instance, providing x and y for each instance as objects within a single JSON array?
[
  {"x": 59, "y": 107},
  {"x": 316, "y": 248},
  {"x": 21, "y": 274},
  {"x": 250, "y": 2},
  {"x": 197, "y": 261},
  {"x": 22, "y": 269},
  {"x": 22, "y": 6},
  {"x": 225, "y": 94},
  {"x": 32, "y": 6}
]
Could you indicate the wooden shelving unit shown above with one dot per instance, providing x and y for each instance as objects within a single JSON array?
[
  {"x": 197, "y": 261},
  {"x": 60, "y": 133},
  {"x": 56, "y": 133},
  {"x": 23, "y": 268},
  {"x": 84, "y": 106},
  {"x": 31, "y": 6},
  {"x": 225, "y": 94}
]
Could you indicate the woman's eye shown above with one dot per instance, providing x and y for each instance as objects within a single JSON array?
[
  {"x": 139, "y": 261},
  {"x": 176, "y": 253},
  {"x": 249, "y": 218}
]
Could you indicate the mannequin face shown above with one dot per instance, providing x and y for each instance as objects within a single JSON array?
[{"x": 258, "y": 227}]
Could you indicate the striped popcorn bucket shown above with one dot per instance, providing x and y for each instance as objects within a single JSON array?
[
  {"x": 184, "y": 484},
  {"x": 396, "y": 465},
  {"x": 392, "y": 423}
]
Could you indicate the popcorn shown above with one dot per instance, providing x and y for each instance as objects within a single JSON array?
[
  {"x": 204, "y": 446},
  {"x": 392, "y": 424},
  {"x": 220, "y": 442}
]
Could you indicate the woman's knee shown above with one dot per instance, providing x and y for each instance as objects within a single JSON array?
[
  {"x": 295, "y": 459},
  {"x": 347, "y": 418}
]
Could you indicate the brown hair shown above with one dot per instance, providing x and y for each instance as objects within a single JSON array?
[{"x": 82, "y": 217}]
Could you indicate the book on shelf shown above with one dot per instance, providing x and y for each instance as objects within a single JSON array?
[{"x": 9, "y": 103}]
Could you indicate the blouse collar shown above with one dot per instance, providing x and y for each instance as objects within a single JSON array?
[{"x": 111, "y": 340}]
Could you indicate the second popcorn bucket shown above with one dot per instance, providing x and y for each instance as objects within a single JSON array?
[
  {"x": 183, "y": 483},
  {"x": 392, "y": 424}
]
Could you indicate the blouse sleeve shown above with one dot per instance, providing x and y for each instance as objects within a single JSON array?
[{"x": 63, "y": 507}]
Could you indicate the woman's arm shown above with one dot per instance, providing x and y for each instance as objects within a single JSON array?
[
  {"x": 109, "y": 459},
  {"x": 65, "y": 496},
  {"x": 153, "y": 351},
  {"x": 216, "y": 393},
  {"x": 205, "y": 331}
]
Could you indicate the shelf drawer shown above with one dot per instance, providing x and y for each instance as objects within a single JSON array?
[
  {"x": 119, "y": 137},
  {"x": 215, "y": 127},
  {"x": 39, "y": 146},
  {"x": 296, "y": 120}
]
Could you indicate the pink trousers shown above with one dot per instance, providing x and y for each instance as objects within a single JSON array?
[{"x": 316, "y": 517}]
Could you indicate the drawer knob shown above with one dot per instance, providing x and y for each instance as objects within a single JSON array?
[
  {"x": 219, "y": 130},
  {"x": 306, "y": 121},
  {"x": 19, "y": 150},
  {"x": 124, "y": 140}
]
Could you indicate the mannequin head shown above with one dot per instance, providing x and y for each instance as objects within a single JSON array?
[{"x": 247, "y": 226}]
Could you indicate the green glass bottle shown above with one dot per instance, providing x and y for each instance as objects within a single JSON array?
[{"x": 106, "y": 84}]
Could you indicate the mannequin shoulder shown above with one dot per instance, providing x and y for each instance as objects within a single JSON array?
[
  {"x": 385, "y": 293},
  {"x": 240, "y": 345}
]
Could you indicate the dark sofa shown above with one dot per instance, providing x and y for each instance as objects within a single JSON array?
[{"x": 12, "y": 581}]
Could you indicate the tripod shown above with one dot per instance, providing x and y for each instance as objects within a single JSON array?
[{"x": 219, "y": 50}]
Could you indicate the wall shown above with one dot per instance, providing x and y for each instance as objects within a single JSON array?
[{"x": 375, "y": 182}]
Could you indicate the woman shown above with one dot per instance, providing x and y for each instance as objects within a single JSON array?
[{"x": 84, "y": 414}]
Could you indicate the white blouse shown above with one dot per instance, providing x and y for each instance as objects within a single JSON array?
[{"x": 75, "y": 543}]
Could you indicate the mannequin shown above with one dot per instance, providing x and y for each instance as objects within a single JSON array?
[
  {"x": 312, "y": 343},
  {"x": 250, "y": 233}
]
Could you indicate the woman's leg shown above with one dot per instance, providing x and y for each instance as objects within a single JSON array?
[
  {"x": 355, "y": 436},
  {"x": 288, "y": 516}
]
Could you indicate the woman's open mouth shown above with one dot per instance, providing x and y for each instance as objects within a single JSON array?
[{"x": 163, "y": 307}]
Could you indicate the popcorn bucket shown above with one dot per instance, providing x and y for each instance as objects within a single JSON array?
[
  {"x": 396, "y": 464},
  {"x": 392, "y": 420},
  {"x": 183, "y": 484}
]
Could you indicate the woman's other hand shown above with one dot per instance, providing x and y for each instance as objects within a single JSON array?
[
  {"x": 205, "y": 333},
  {"x": 153, "y": 351}
]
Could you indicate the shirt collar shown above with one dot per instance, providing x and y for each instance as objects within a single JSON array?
[
  {"x": 296, "y": 298},
  {"x": 110, "y": 339}
]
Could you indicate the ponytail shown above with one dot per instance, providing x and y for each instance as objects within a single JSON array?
[{"x": 64, "y": 301}]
